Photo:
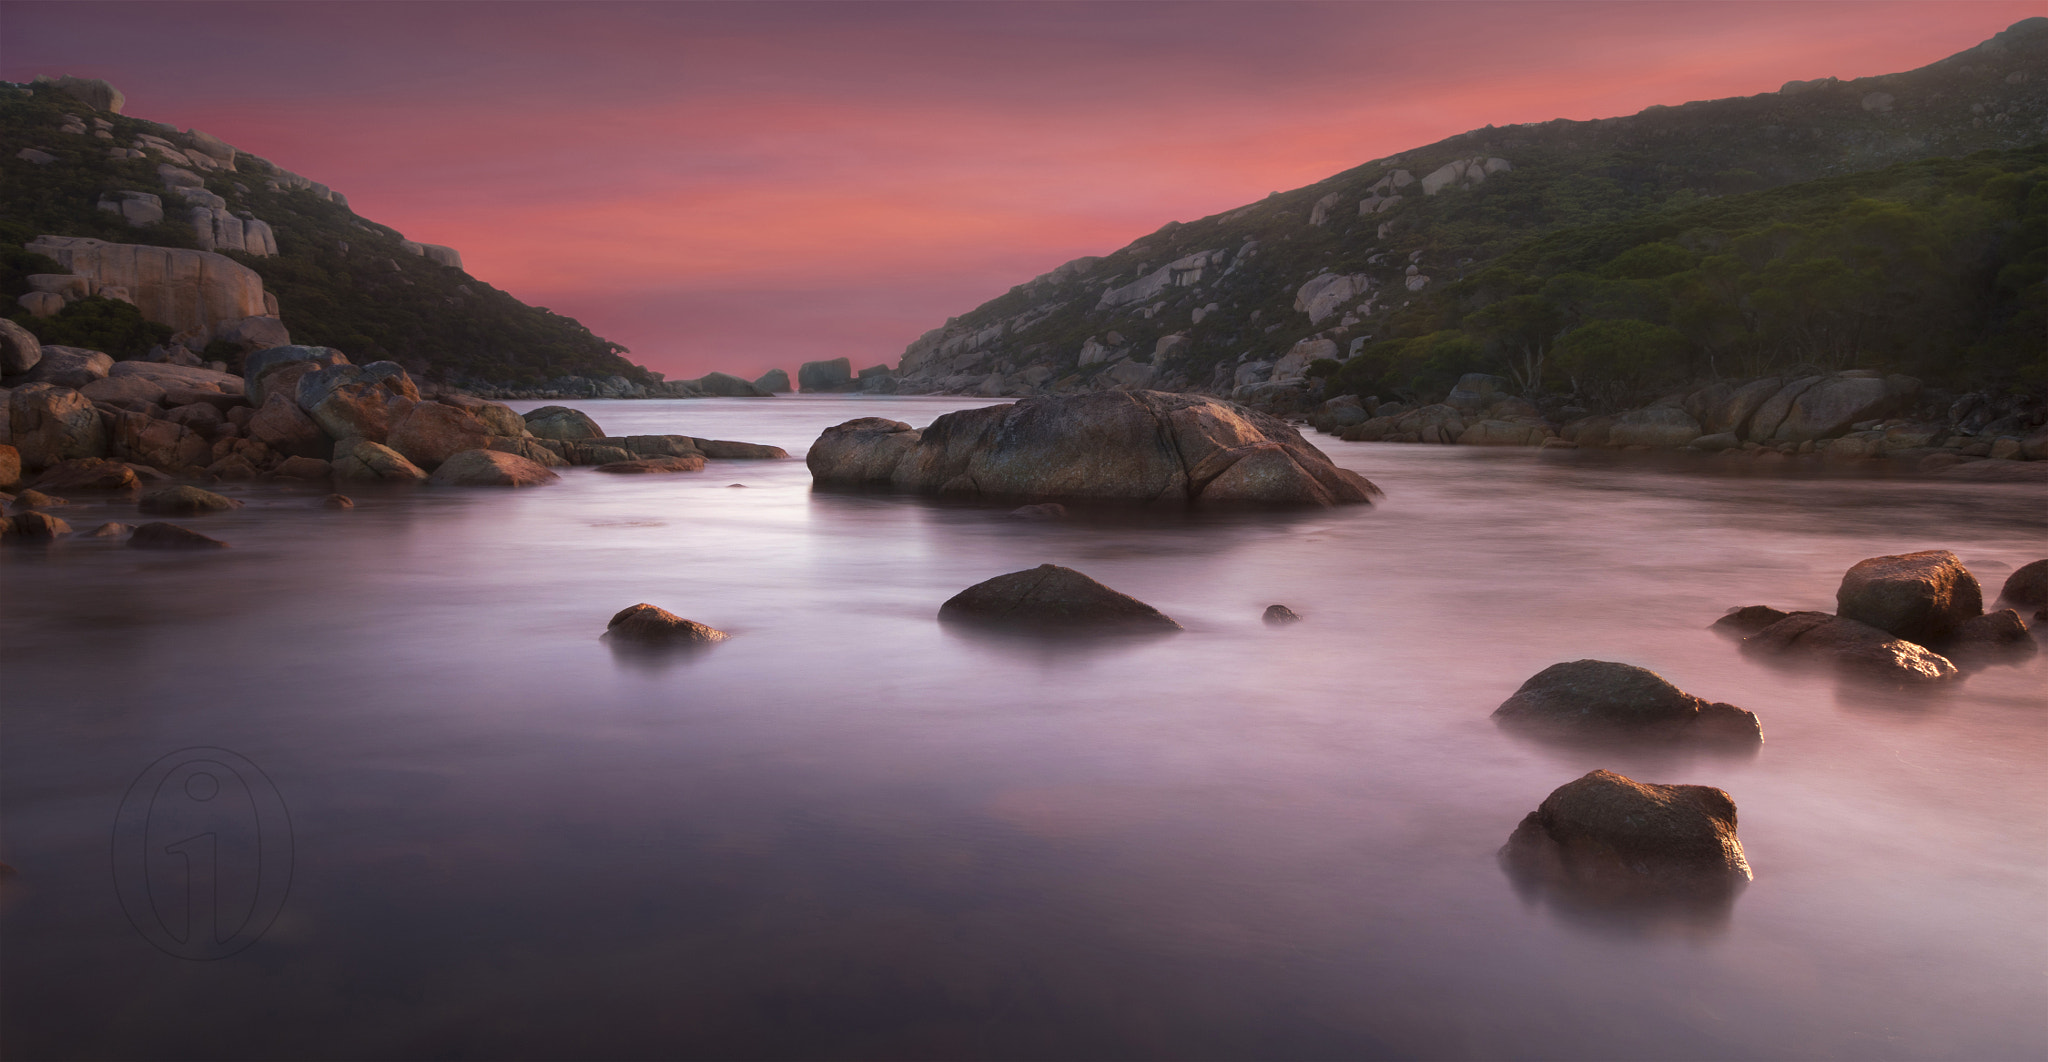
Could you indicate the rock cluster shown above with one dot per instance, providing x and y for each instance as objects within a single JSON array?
[
  {"x": 1891, "y": 616},
  {"x": 1142, "y": 446}
]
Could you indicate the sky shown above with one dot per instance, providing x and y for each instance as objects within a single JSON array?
[{"x": 738, "y": 187}]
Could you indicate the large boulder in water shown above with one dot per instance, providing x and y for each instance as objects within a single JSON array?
[
  {"x": 562, "y": 424},
  {"x": 490, "y": 468},
  {"x": 1138, "y": 445},
  {"x": 1921, "y": 597},
  {"x": 1606, "y": 835},
  {"x": 1599, "y": 698},
  {"x": 1852, "y": 645},
  {"x": 2027, "y": 586},
  {"x": 1050, "y": 598}
]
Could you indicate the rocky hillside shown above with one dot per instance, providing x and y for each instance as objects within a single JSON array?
[
  {"x": 126, "y": 235},
  {"x": 1415, "y": 249}
]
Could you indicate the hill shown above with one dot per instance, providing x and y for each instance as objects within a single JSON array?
[{"x": 1712, "y": 225}]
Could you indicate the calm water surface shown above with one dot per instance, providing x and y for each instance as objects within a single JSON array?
[{"x": 850, "y": 833}]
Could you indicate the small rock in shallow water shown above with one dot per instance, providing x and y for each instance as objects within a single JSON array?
[
  {"x": 1050, "y": 598},
  {"x": 183, "y": 501},
  {"x": 1280, "y": 616},
  {"x": 338, "y": 501},
  {"x": 1606, "y": 835},
  {"x": 1993, "y": 633},
  {"x": 171, "y": 536},
  {"x": 644, "y": 624},
  {"x": 1041, "y": 511},
  {"x": 2027, "y": 586},
  {"x": 33, "y": 527},
  {"x": 1852, "y": 645},
  {"x": 107, "y": 530},
  {"x": 741, "y": 486},
  {"x": 1587, "y": 698},
  {"x": 1748, "y": 619},
  {"x": 35, "y": 499}
]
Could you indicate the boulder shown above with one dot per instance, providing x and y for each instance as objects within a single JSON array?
[
  {"x": 185, "y": 501},
  {"x": 496, "y": 417},
  {"x": 356, "y": 400},
  {"x": 1727, "y": 407},
  {"x": 1921, "y": 597},
  {"x": 1280, "y": 616},
  {"x": 1854, "y": 646},
  {"x": 1139, "y": 445},
  {"x": 85, "y": 474},
  {"x": 2027, "y": 586},
  {"x": 154, "y": 442},
  {"x": 72, "y": 367},
  {"x": 281, "y": 425},
  {"x": 1831, "y": 404},
  {"x": 646, "y": 465},
  {"x": 35, "y": 499},
  {"x": 1599, "y": 698},
  {"x": 727, "y": 450},
  {"x": 171, "y": 536},
  {"x": 562, "y": 423},
  {"x": 126, "y": 392},
  {"x": 311, "y": 469},
  {"x": 91, "y": 91},
  {"x": 489, "y": 468},
  {"x": 184, "y": 377},
  {"x": 359, "y": 458},
  {"x": 726, "y": 385},
  {"x": 110, "y": 529},
  {"x": 48, "y": 424},
  {"x": 1606, "y": 835},
  {"x": 1053, "y": 599},
  {"x": 252, "y": 333},
  {"x": 1770, "y": 413},
  {"x": 1476, "y": 391},
  {"x": 527, "y": 447},
  {"x": 644, "y": 624},
  {"x": 259, "y": 368},
  {"x": 1994, "y": 632},
  {"x": 10, "y": 466},
  {"x": 1505, "y": 433},
  {"x": 825, "y": 376},
  {"x": 33, "y": 527},
  {"x": 337, "y": 501},
  {"x": 774, "y": 381},
  {"x": 430, "y": 433},
  {"x": 1747, "y": 620},
  {"x": 1658, "y": 427},
  {"x": 191, "y": 291},
  {"x": 19, "y": 349}
]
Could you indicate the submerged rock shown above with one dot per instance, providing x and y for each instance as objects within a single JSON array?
[
  {"x": 337, "y": 501},
  {"x": 1748, "y": 619},
  {"x": 1041, "y": 511},
  {"x": 644, "y": 624},
  {"x": 1604, "y": 835},
  {"x": 1851, "y": 644},
  {"x": 1590, "y": 698},
  {"x": 1137, "y": 445},
  {"x": 1992, "y": 634},
  {"x": 1921, "y": 597},
  {"x": 182, "y": 501},
  {"x": 171, "y": 536},
  {"x": 1052, "y": 598}
]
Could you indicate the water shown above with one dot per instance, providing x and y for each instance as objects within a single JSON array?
[{"x": 848, "y": 832}]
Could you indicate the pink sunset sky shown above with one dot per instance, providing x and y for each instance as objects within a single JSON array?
[{"x": 747, "y": 186}]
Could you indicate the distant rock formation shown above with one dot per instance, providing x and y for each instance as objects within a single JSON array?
[
  {"x": 433, "y": 252},
  {"x": 774, "y": 381},
  {"x": 198, "y": 293},
  {"x": 825, "y": 376},
  {"x": 90, "y": 91}
]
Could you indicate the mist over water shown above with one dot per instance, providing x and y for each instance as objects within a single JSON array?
[{"x": 849, "y": 831}]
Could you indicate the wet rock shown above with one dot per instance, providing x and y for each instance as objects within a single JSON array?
[
  {"x": 48, "y": 424},
  {"x": 489, "y": 468},
  {"x": 1921, "y": 597},
  {"x": 1590, "y": 698},
  {"x": 19, "y": 349},
  {"x": 496, "y": 417},
  {"x": 1042, "y": 511},
  {"x": 1055, "y": 599},
  {"x": 109, "y": 529},
  {"x": 72, "y": 367},
  {"x": 185, "y": 501},
  {"x": 10, "y": 465},
  {"x": 1748, "y": 619},
  {"x": 35, "y": 499},
  {"x": 1991, "y": 634},
  {"x": 33, "y": 527},
  {"x": 644, "y": 624},
  {"x": 337, "y": 501},
  {"x": 1606, "y": 835},
  {"x": 727, "y": 450},
  {"x": 355, "y": 400},
  {"x": 311, "y": 469},
  {"x": 647, "y": 465},
  {"x": 562, "y": 423},
  {"x": 528, "y": 447},
  {"x": 1280, "y": 616},
  {"x": 361, "y": 459},
  {"x": 1138, "y": 445},
  {"x": 2028, "y": 585},
  {"x": 1852, "y": 645},
  {"x": 171, "y": 536},
  {"x": 87, "y": 474}
]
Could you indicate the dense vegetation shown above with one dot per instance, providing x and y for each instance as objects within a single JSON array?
[
  {"x": 1931, "y": 268},
  {"x": 339, "y": 280}
]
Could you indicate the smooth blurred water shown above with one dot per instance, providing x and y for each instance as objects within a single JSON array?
[{"x": 849, "y": 832}]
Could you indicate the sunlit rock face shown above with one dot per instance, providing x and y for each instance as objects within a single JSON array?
[{"x": 1134, "y": 445}]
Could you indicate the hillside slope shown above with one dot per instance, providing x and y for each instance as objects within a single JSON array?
[
  {"x": 1247, "y": 301},
  {"x": 69, "y": 168}
]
